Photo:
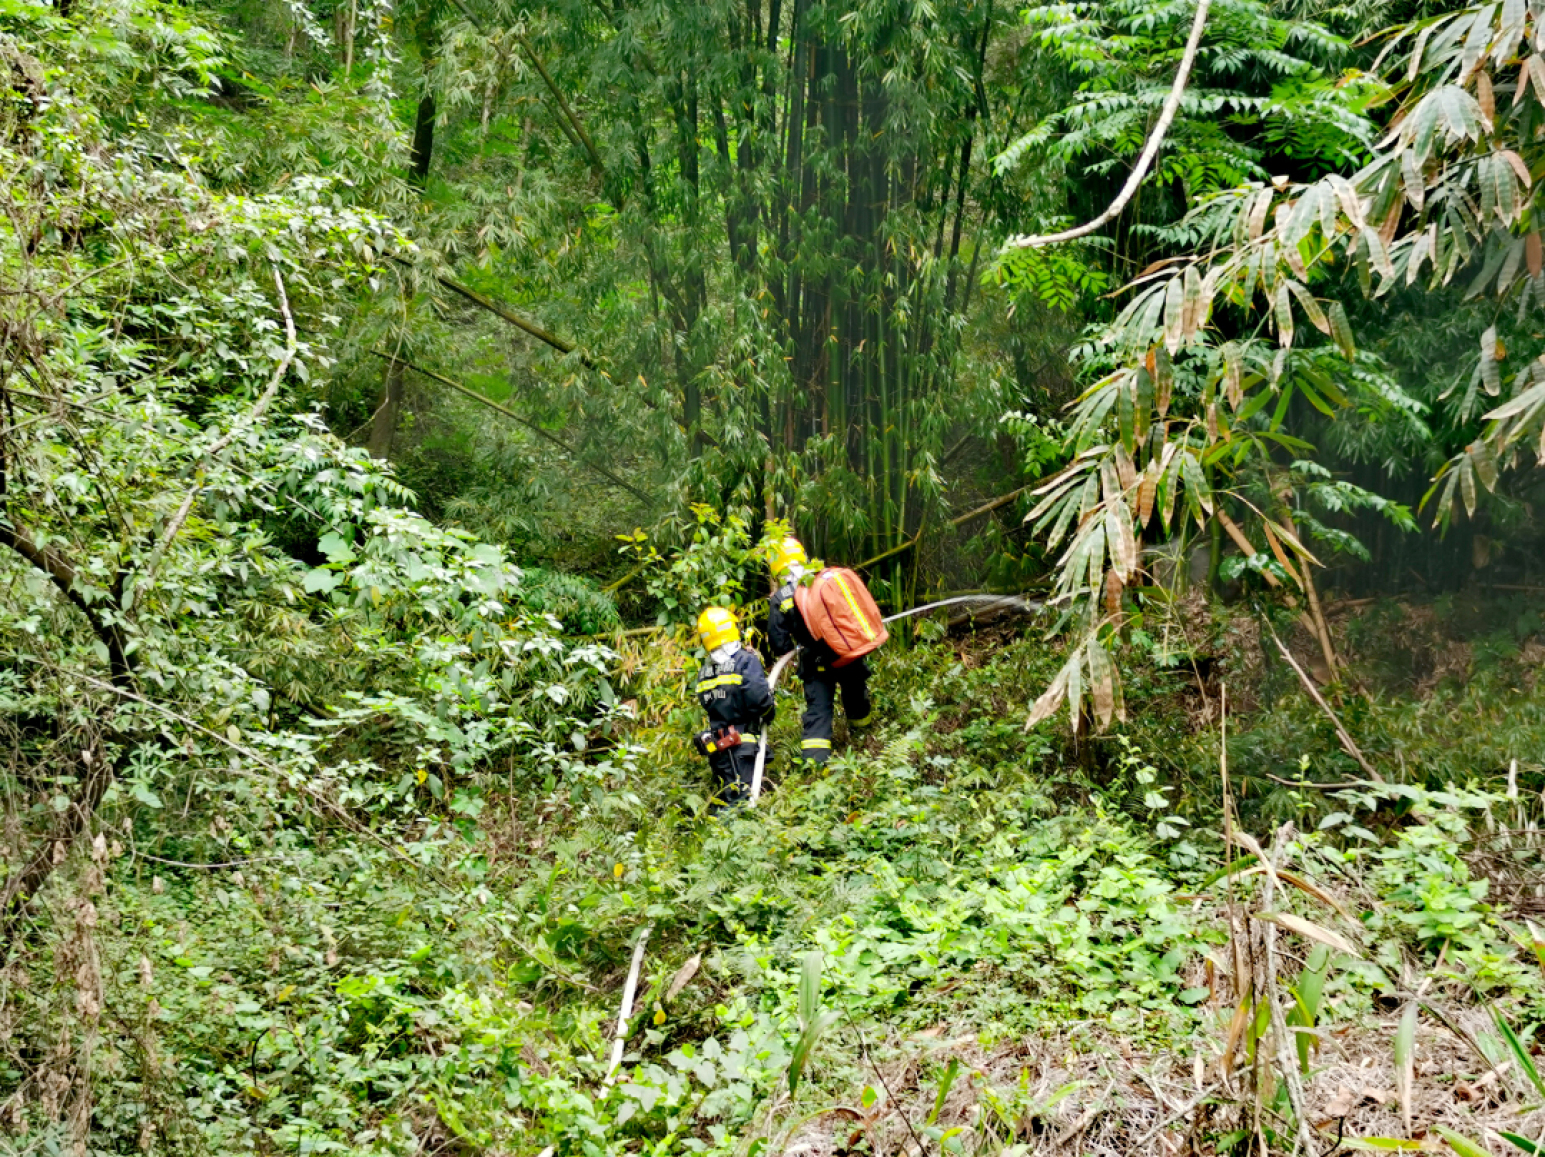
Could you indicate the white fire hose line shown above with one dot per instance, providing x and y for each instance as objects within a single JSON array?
[{"x": 781, "y": 664}]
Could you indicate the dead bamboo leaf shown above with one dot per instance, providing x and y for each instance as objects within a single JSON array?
[
  {"x": 1282, "y": 558},
  {"x": 683, "y": 976},
  {"x": 1310, "y": 930}
]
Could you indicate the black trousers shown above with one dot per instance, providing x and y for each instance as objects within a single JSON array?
[
  {"x": 821, "y": 686},
  {"x": 732, "y": 773}
]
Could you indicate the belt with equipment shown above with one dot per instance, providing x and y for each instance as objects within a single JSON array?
[{"x": 721, "y": 739}]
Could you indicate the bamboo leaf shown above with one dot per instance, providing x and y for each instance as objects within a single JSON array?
[
  {"x": 1281, "y": 555},
  {"x": 1174, "y": 314},
  {"x": 1341, "y": 331},
  {"x": 1126, "y": 470},
  {"x": 1520, "y": 1054},
  {"x": 1191, "y": 315},
  {"x": 1528, "y": 1146},
  {"x": 1485, "y": 459},
  {"x": 1412, "y": 181},
  {"x": 1163, "y": 371},
  {"x": 1070, "y": 507},
  {"x": 1491, "y": 373},
  {"x": 1260, "y": 206},
  {"x": 1196, "y": 481},
  {"x": 1147, "y": 489},
  {"x": 1378, "y": 255},
  {"x": 1311, "y": 308},
  {"x": 1123, "y": 547},
  {"x": 1462, "y": 1145},
  {"x": 1101, "y": 686},
  {"x": 1386, "y": 1144},
  {"x": 809, "y": 987},
  {"x": 1283, "y": 314},
  {"x": 1075, "y": 690},
  {"x": 1050, "y": 699},
  {"x": 1232, "y": 375}
]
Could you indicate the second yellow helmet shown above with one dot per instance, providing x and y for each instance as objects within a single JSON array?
[
  {"x": 785, "y": 553},
  {"x": 716, "y": 626}
]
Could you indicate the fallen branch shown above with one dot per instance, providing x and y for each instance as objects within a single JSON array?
[
  {"x": 987, "y": 508},
  {"x": 628, "y": 991},
  {"x": 512, "y": 415},
  {"x": 1150, "y": 150},
  {"x": 596, "y": 166},
  {"x": 1304, "y": 783},
  {"x": 505, "y": 313}
]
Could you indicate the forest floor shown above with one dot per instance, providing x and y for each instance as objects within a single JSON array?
[{"x": 961, "y": 938}]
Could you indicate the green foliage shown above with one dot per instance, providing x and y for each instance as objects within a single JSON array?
[{"x": 712, "y": 567}]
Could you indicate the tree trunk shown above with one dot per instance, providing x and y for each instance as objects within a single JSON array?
[{"x": 383, "y": 426}]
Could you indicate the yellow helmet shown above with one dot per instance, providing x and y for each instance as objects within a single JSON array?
[
  {"x": 715, "y": 627},
  {"x": 785, "y": 553}
]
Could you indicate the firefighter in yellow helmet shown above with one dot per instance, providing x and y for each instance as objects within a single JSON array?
[
  {"x": 786, "y": 630},
  {"x": 732, "y": 687}
]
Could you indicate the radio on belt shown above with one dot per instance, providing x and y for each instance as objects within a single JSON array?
[{"x": 717, "y": 739}]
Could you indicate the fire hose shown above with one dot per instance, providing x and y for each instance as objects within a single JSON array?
[{"x": 993, "y": 601}]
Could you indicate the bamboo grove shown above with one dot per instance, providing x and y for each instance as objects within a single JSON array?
[{"x": 776, "y": 211}]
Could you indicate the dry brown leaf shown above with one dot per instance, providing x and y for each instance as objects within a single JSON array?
[{"x": 684, "y": 976}]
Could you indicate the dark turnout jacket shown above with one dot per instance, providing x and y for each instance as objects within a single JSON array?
[{"x": 736, "y": 694}]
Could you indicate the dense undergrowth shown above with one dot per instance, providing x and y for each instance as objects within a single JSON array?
[{"x": 981, "y": 903}]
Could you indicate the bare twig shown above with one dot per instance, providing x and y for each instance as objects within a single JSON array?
[
  {"x": 238, "y": 428},
  {"x": 1180, "y": 1113},
  {"x": 1084, "y": 1118},
  {"x": 959, "y": 519},
  {"x": 1287, "y": 1059},
  {"x": 890, "y": 1097},
  {"x": 1150, "y": 150},
  {"x": 1347, "y": 743},
  {"x": 1315, "y": 786}
]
